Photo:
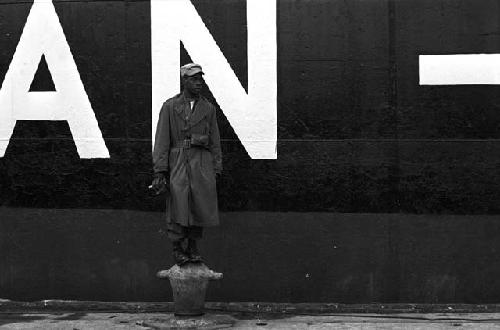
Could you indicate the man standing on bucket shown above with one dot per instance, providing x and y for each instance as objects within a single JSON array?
[{"x": 187, "y": 157}]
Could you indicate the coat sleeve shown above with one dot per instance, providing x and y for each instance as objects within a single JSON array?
[
  {"x": 215, "y": 148},
  {"x": 162, "y": 141}
]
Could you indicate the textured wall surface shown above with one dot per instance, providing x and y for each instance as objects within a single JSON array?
[{"x": 405, "y": 177}]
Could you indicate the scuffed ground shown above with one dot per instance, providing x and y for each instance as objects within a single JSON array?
[{"x": 104, "y": 321}]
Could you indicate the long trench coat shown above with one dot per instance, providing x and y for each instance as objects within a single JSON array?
[{"x": 192, "y": 200}]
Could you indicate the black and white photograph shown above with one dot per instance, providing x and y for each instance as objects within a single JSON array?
[{"x": 249, "y": 164}]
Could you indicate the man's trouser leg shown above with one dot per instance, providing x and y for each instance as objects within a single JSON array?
[
  {"x": 178, "y": 234},
  {"x": 194, "y": 233},
  {"x": 175, "y": 232}
]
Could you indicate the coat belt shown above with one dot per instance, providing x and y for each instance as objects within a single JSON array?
[{"x": 184, "y": 144}]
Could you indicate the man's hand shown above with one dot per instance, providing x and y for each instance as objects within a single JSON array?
[{"x": 159, "y": 184}]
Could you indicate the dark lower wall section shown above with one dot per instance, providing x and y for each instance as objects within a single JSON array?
[{"x": 281, "y": 257}]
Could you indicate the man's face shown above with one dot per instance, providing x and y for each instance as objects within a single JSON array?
[{"x": 193, "y": 83}]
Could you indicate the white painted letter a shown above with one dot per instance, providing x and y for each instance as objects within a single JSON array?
[{"x": 43, "y": 35}]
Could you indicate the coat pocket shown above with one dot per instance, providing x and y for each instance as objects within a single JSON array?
[{"x": 199, "y": 140}]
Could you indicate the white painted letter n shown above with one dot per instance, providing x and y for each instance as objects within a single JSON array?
[{"x": 254, "y": 115}]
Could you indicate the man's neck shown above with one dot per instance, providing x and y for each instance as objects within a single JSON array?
[{"x": 190, "y": 96}]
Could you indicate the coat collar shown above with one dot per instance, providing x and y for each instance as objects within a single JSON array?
[{"x": 200, "y": 110}]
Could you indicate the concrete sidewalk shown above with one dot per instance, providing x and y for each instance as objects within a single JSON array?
[{"x": 142, "y": 321}]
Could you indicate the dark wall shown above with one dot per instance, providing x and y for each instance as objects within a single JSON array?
[
  {"x": 356, "y": 134},
  {"x": 113, "y": 255}
]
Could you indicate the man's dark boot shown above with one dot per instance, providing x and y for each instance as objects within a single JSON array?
[
  {"x": 192, "y": 251},
  {"x": 180, "y": 257}
]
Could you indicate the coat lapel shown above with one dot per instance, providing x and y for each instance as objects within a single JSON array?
[
  {"x": 200, "y": 111},
  {"x": 180, "y": 105}
]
